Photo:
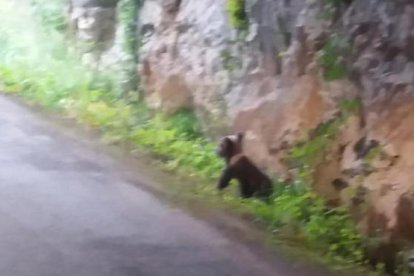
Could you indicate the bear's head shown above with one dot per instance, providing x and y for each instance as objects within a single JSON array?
[{"x": 230, "y": 146}]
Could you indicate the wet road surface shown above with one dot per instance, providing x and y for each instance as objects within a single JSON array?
[{"x": 66, "y": 210}]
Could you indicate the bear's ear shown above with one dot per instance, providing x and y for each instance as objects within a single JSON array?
[
  {"x": 224, "y": 148},
  {"x": 226, "y": 143},
  {"x": 226, "y": 140},
  {"x": 240, "y": 136}
]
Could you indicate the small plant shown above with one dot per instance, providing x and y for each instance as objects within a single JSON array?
[
  {"x": 237, "y": 14},
  {"x": 50, "y": 13},
  {"x": 180, "y": 145},
  {"x": 331, "y": 59},
  {"x": 335, "y": 232},
  {"x": 348, "y": 106},
  {"x": 305, "y": 155},
  {"x": 123, "y": 74},
  {"x": 186, "y": 122},
  {"x": 330, "y": 230},
  {"x": 332, "y": 9},
  {"x": 229, "y": 61}
]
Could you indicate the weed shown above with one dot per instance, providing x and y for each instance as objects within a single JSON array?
[
  {"x": 181, "y": 146},
  {"x": 331, "y": 58},
  {"x": 50, "y": 14},
  {"x": 330, "y": 230},
  {"x": 332, "y": 9},
  {"x": 237, "y": 14},
  {"x": 349, "y": 106},
  {"x": 305, "y": 155},
  {"x": 128, "y": 12},
  {"x": 186, "y": 123},
  {"x": 229, "y": 61}
]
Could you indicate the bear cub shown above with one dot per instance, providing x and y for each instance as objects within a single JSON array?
[{"x": 252, "y": 181}]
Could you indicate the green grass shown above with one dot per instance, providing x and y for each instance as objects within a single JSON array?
[
  {"x": 178, "y": 145},
  {"x": 38, "y": 64},
  {"x": 306, "y": 217}
]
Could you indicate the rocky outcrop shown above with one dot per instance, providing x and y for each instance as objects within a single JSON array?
[
  {"x": 379, "y": 34},
  {"x": 94, "y": 24},
  {"x": 105, "y": 33},
  {"x": 181, "y": 57}
]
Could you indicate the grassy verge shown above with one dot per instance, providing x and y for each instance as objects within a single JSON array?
[{"x": 38, "y": 64}]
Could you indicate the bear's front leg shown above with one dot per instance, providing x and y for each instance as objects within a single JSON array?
[{"x": 225, "y": 178}]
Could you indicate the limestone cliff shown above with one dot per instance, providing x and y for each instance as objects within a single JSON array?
[{"x": 300, "y": 66}]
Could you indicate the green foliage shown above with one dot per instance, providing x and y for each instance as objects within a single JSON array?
[
  {"x": 372, "y": 154},
  {"x": 186, "y": 122},
  {"x": 180, "y": 145},
  {"x": 329, "y": 230},
  {"x": 36, "y": 59},
  {"x": 331, "y": 58},
  {"x": 335, "y": 232},
  {"x": 128, "y": 11},
  {"x": 229, "y": 61},
  {"x": 50, "y": 13},
  {"x": 349, "y": 106},
  {"x": 237, "y": 14},
  {"x": 332, "y": 9},
  {"x": 305, "y": 155},
  {"x": 127, "y": 77},
  {"x": 303, "y": 216}
]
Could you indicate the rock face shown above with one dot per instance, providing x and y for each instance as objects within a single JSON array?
[
  {"x": 94, "y": 24},
  {"x": 181, "y": 62},
  {"x": 301, "y": 63},
  {"x": 272, "y": 86},
  {"x": 101, "y": 36}
]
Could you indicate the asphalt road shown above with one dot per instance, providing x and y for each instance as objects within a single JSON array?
[{"x": 66, "y": 210}]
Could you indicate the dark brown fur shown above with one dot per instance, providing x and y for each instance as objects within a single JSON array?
[{"x": 252, "y": 181}]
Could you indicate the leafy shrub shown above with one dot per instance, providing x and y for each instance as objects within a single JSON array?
[
  {"x": 128, "y": 13},
  {"x": 237, "y": 14},
  {"x": 335, "y": 232},
  {"x": 186, "y": 123},
  {"x": 302, "y": 215},
  {"x": 50, "y": 13},
  {"x": 230, "y": 62},
  {"x": 348, "y": 106},
  {"x": 329, "y": 230},
  {"x": 305, "y": 155},
  {"x": 331, "y": 58},
  {"x": 179, "y": 144}
]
